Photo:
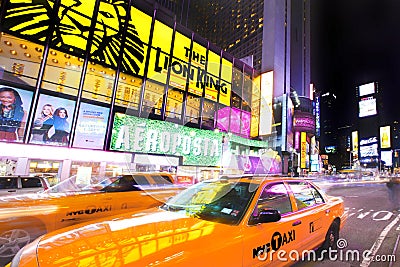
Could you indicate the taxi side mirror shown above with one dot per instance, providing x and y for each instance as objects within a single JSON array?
[{"x": 269, "y": 215}]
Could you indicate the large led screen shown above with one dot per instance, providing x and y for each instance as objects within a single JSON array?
[
  {"x": 367, "y": 107},
  {"x": 367, "y": 89}
]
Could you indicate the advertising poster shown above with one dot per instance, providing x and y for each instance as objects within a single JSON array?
[
  {"x": 385, "y": 137},
  {"x": 14, "y": 109},
  {"x": 52, "y": 123},
  {"x": 91, "y": 126}
]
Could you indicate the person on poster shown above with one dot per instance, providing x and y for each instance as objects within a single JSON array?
[
  {"x": 12, "y": 115},
  {"x": 61, "y": 126},
  {"x": 43, "y": 123}
]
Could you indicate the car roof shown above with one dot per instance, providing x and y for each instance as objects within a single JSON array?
[{"x": 258, "y": 179}]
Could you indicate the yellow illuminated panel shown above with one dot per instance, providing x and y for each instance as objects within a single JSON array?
[
  {"x": 180, "y": 68},
  {"x": 303, "y": 151},
  {"x": 213, "y": 72},
  {"x": 226, "y": 83},
  {"x": 198, "y": 63},
  {"x": 385, "y": 136},
  {"x": 255, "y": 114},
  {"x": 159, "y": 55},
  {"x": 354, "y": 141},
  {"x": 135, "y": 53}
]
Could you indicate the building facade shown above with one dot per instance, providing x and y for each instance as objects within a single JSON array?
[
  {"x": 274, "y": 36},
  {"x": 112, "y": 86}
]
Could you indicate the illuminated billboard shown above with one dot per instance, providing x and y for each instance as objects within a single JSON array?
[
  {"x": 386, "y": 157},
  {"x": 186, "y": 68},
  {"x": 367, "y": 107},
  {"x": 267, "y": 85},
  {"x": 367, "y": 89},
  {"x": 304, "y": 122},
  {"x": 354, "y": 141},
  {"x": 385, "y": 137},
  {"x": 197, "y": 147},
  {"x": 369, "y": 151}
]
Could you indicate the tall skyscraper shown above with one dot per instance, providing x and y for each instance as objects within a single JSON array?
[{"x": 275, "y": 33}]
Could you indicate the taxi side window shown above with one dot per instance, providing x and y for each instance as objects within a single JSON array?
[
  {"x": 273, "y": 197},
  {"x": 305, "y": 195},
  {"x": 8, "y": 183},
  {"x": 31, "y": 182}
]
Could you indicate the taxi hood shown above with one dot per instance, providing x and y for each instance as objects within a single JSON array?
[{"x": 141, "y": 238}]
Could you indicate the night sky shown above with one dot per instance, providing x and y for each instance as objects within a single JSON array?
[{"x": 354, "y": 42}]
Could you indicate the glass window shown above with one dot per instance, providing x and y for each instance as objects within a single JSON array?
[
  {"x": 8, "y": 183},
  {"x": 208, "y": 114},
  {"x": 236, "y": 100},
  {"x": 153, "y": 98},
  {"x": 62, "y": 73},
  {"x": 174, "y": 104},
  {"x": 192, "y": 109},
  {"x": 305, "y": 195},
  {"x": 247, "y": 92},
  {"x": 272, "y": 197},
  {"x": 20, "y": 60},
  {"x": 161, "y": 180},
  {"x": 128, "y": 91},
  {"x": 98, "y": 83},
  {"x": 31, "y": 182},
  {"x": 237, "y": 82}
]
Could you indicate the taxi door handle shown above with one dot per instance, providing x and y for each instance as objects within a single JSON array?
[
  {"x": 296, "y": 223},
  {"x": 11, "y": 191}
]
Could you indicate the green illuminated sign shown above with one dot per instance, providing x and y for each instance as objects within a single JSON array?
[{"x": 197, "y": 147}]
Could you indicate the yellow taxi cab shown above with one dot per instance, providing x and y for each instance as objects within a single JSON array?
[
  {"x": 247, "y": 221},
  {"x": 25, "y": 217}
]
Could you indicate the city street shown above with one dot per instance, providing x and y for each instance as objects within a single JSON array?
[{"x": 373, "y": 224}]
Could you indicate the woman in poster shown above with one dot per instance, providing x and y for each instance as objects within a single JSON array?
[
  {"x": 43, "y": 123},
  {"x": 61, "y": 126},
  {"x": 12, "y": 115}
]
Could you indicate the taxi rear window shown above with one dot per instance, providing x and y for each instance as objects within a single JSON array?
[{"x": 161, "y": 179}]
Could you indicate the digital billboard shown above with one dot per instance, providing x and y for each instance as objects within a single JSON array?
[
  {"x": 385, "y": 137},
  {"x": 366, "y": 89},
  {"x": 367, "y": 107},
  {"x": 369, "y": 151},
  {"x": 386, "y": 157}
]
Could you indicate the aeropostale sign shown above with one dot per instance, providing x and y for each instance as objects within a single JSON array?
[{"x": 197, "y": 147}]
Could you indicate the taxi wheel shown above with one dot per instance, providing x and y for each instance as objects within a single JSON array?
[
  {"x": 12, "y": 241},
  {"x": 14, "y": 238},
  {"x": 332, "y": 236}
]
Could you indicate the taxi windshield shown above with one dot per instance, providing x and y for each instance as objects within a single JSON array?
[{"x": 218, "y": 201}]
